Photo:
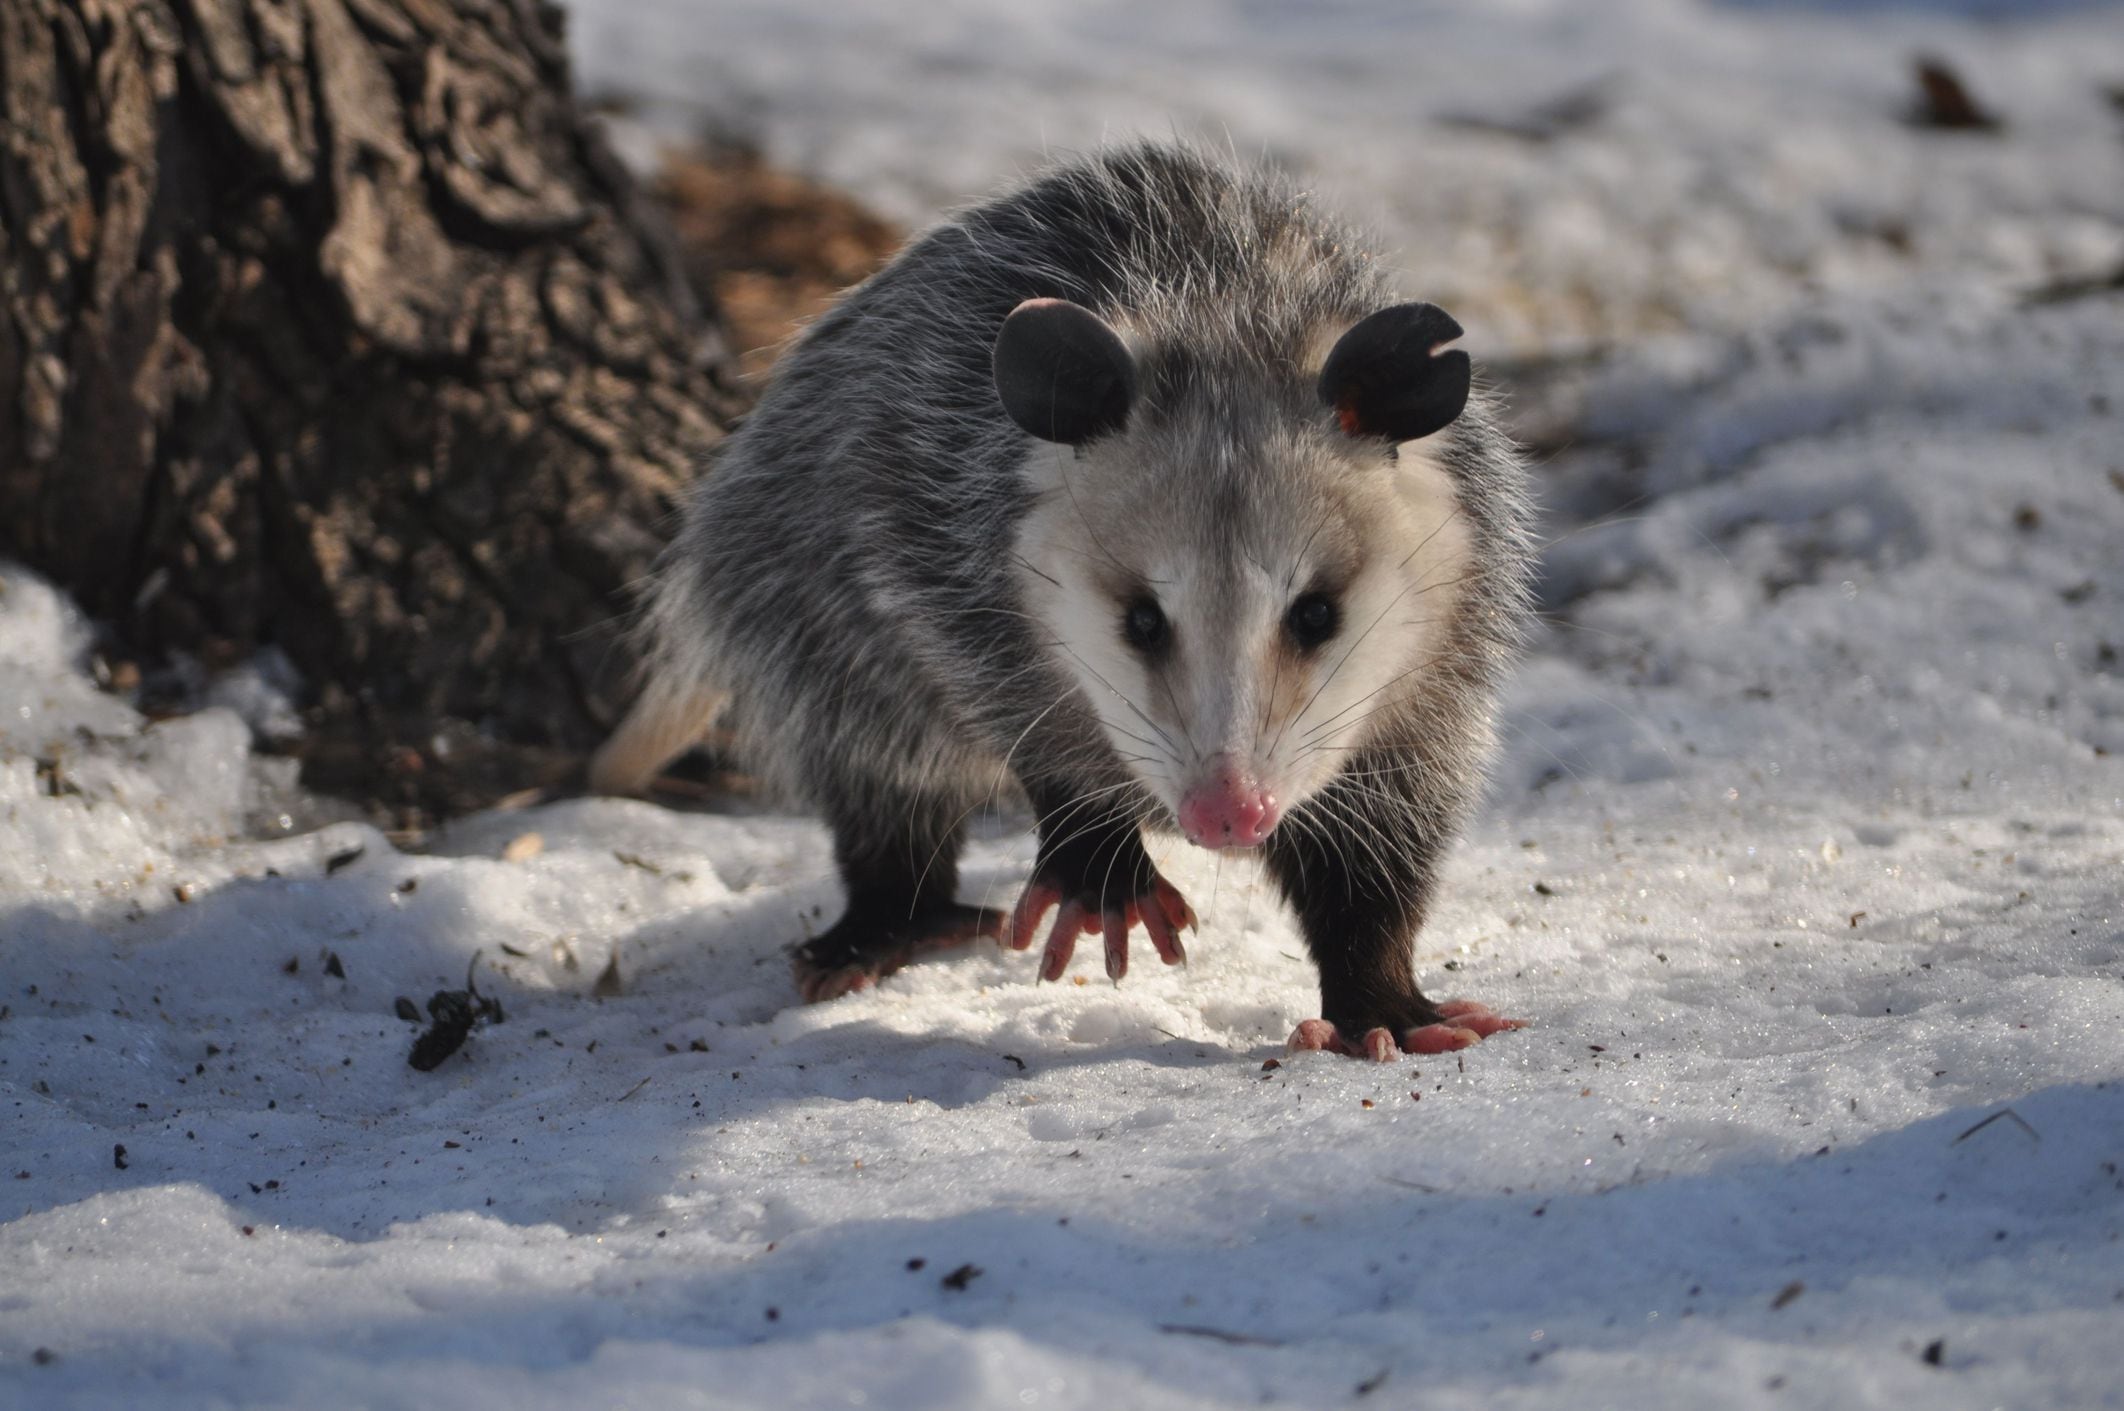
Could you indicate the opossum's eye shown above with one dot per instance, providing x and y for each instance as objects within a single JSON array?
[
  {"x": 1145, "y": 627},
  {"x": 1312, "y": 619}
]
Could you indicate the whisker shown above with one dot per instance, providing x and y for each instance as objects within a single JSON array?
[
  {"x": 1123, "y": 697},
  {"x": 1419, "y": 590},
  {"x": 1448, "y": 654}
]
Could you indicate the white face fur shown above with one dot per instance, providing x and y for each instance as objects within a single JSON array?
[{"x": 1183, "y": 585}]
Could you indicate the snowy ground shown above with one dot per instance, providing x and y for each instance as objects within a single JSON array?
[{"x": 1806, "y": 854}]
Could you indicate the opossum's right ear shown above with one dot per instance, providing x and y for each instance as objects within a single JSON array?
[
  {"x": 1392, "y": 376},
  {"x": 1062, "y": 374}
]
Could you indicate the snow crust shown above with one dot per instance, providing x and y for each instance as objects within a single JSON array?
[{"x": 1805, "y": 854}]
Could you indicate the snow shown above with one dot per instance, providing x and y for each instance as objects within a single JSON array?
[
  {"x": 1803, "y": 854},
  {"x": 1740, "y": 151}
]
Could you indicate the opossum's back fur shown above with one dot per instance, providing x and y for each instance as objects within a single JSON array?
[{"x": 845, "y": 568}]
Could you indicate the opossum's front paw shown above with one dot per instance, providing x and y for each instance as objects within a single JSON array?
[
  {"x": 1460, "y": 1024},
  {"x": 861, "y": 948},
  {"x": 1091, "y": 909}
]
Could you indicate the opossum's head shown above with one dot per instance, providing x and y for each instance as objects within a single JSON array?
[{"x": 1248, "y": 563}]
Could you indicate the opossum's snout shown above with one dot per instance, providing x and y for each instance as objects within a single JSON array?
[{"x": 1227, "y": 807}]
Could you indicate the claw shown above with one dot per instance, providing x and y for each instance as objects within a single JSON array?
[
  {"x": 1178, "y": 914},
  {"x": 1160, "y": 910},
  {"x": 1116, "y": 927},
  {"x": 1158, "y": 924}
]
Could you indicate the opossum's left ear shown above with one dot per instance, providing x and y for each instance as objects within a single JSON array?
[
  {"x": 1387, "y": 376},
  {"x": 1062, "y": 374}
]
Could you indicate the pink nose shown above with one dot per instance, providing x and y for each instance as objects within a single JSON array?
[{"x": 1229, "y": 809}]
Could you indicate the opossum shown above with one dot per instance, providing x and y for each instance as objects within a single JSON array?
[{"x": 1140, "y": 489}]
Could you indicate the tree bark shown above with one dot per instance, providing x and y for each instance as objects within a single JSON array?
[{"x": 332, "y": 324}]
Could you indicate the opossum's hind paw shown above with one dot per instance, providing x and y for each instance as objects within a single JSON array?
[
  {"x": 1461, "y": 1024},
  {"x": 1159, "y": 909},
  {"x": 861, "y": 948}
]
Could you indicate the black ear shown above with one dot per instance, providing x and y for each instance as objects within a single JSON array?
[
  {"x": 1387, "y": 378},
  {"x": 1062, "y": 374}
]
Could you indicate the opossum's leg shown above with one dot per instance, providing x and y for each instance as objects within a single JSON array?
[
  {"x": 900, "y": 903},
  {"x": 1358, "y": 868},
  {"x": 1092, "y": 865}
]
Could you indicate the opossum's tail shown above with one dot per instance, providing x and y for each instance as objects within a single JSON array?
[
  {"x": 678, "y": 700},
  {"x": 667, "y": 719}
]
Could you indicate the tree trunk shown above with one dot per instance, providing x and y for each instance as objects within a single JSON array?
[{"x": 331, "y": 324}]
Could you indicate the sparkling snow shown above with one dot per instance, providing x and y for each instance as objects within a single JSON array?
[{"x": 1805, "y": 855}]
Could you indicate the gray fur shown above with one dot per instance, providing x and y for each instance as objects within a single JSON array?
[{"x": 846, "y": 570}]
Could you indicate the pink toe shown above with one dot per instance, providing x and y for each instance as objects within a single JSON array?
[
  {"x": 1175, "y": 907},
  {"x": 1439, "y": 1038},
  {"x": 1379, "y": 1046},
  {"x": 1062, "y": 940},
  {"x": 832, "y": 984},
  {"x": 1314, "y": 1035},
  {"x": 1033, "y": 904},
  {"x": 1479, "y": 1018},
  {"x": 1163, "y": 937}
]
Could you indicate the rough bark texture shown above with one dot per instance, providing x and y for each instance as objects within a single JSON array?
[{"x": 330, "y": 324}]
